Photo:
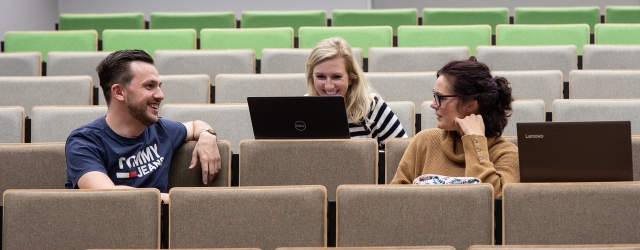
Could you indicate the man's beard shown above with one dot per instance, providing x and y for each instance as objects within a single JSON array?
[{"x": 139, "y": 112}]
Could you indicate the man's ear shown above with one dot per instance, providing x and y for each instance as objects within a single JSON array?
[{"x": 117, "y": 92}]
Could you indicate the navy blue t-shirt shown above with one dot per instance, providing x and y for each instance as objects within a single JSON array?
[{"x": 142, "y": 161}]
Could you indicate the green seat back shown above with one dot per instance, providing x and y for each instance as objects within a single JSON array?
[
  {"x": 192, "y": 20},
  {"x": 256, "y": 39},
  {"x": 561, "y": 34},
  {"x": 100, "y": 22},
  {"x": 46, "y": 41},
  {"x": 357, "y": 37},
  {"x": 149, "y": 40},
  {"x": 445, "y": 35},
  {"x": 557, "y": 15},
  {"x": 380, "y": 17},
  {"x": 617, "y": 34},
  {"x": 465, "y": 16},
  {"x": 622, "y": 14},
  {"x": 293, "y": 19}
]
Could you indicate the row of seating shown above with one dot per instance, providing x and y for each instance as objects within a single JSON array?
[
  {"x": 268, "y": 217},
  {"x": 233, "y": 122},
  {"x": 343, "y": 17},
  {"x": 363, "y": 37}
]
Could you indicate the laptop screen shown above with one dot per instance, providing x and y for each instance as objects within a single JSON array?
[
  {"x": 575, "y": 151},
  {"x": 299, "y": 117}
]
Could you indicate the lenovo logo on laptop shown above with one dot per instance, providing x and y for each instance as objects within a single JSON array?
[{"x": 533, "y": 136}]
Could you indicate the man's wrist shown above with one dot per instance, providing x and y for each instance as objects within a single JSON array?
[{"x": 210, "y": 131}]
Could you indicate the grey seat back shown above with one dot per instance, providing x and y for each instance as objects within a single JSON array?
[
  {"x": 556, "y": 57},
  {"x": 235, "y": 88},
  {"x": 52, "y": 90},
  {"x": 181, "y": 176},
  {"x": 419, "y": 59},
  {"x": 604, "y": 84},
  {"x": 12, "y": 123},
  {"x": 601, "y": 56},
  {"x": 75, "y": 64},
  {"x": 406, "y": 113},
  {"x": 20, "y": 64},
  {"x": 576, "y": 110},
  {"x": 291, "y": 60},
  {"x": 55, "y": 123},
  {"x": 405, "y": 86},
  {"x": 534, "y": 84}
]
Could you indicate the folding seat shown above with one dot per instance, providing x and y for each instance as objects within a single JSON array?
[
  {"x": 465, "y": 16},
  {"x": 255, "y": 217},
  {"x": 192, "y": 20},
  {"x": 414, "y": 215},
  {"x": 510, "y": 58},
  {"x": 181, "y": 176},
  {"x": 293, "y": 19},
  {"x": 81, "y": 219},
  {"x": 32, "y": 166},
  {"x": 571, "y": 213},
  {"x": 45, "y": 41},
  {"x": 78, "y": 63},
  {"x": 617, "y": 34},
  {"x": 416, "y": 59},
  {"x": 235, "y": 88},
  {"x": 372, "y": 248},
  {"x": 622, "y": 14},
  {"x": 100, "y": 22},
  {"x": 635, "y": 149},
  {"x": 598, "y": 110},
  {"x": 53, "y": 90},
  {"x": 308, "y": 162},
  {"x": 231, "y": 121},
  {"x": 604, "y": 84},
  {"x": 375, "y": 17},
  {"x": 363, "y": 37},
  {"x": 12, "y": 123},
  {"x": 404, "y": 86},
  {"x": 525, "y": 111},
  {"x": 406, "y": 113},
  {"x": 599, "y": 56},
  {"x": 55, "y": 123},
  {"x": 534, "y": 84},
  {"x": 21, "y": 64},
  {"x": 256, "y": 39},
  {"x": 292, "y": 60},
  {"x": 190, "y": 88},
  {"x": 393, "y": 152},
  {"x": 445, "y": 35},
  {"x": 558, "y": 15},
  {"x": 543, "y": 34},
  {"x": 567, "y": 247},
  {"x": 149, "y": 40}
]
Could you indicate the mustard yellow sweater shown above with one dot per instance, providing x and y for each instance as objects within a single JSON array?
[{"x": 436, "y": 151}]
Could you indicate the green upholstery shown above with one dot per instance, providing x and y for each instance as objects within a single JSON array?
[
  {"x": 555, "y": 15},
  {"x": 149, "y": 40},
  {"x": 449, "y": 35},
  {"x": 560, "y": 34},
  {"x": 45, "y": 41},
  {"x": 256, "y": 39},
  {"x": 192, "y": 20},
  {"x": 357, "y": 37},
  {"x": 622, "y": 14},
  {"x": 293, "y": 19},
  {"x": 100, "y": 22},
  {"x": 617, "y": 34},
  {"x": 380, "y": 17},
  {"x": 465, "y": 16}
]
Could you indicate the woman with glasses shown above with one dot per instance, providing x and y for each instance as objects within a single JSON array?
[
  {"x": 472, "y": 108},
  {"x": 332, "y": 71}
]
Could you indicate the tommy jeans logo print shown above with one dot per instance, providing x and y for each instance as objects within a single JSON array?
[{"x": 140, "y": 164}]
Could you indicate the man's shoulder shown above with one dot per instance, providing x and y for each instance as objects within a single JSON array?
[{"x": 95, "y": 127}]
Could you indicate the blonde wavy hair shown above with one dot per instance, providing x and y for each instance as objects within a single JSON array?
[{"x": 357, "y": 99}]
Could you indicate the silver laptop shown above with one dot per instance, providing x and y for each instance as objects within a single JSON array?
[
  {"x": 299, "y": 117},
  {"x": 575, "y": 151}
]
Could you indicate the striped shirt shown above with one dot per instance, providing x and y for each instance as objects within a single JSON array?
[{"x": 383, "y": 124}]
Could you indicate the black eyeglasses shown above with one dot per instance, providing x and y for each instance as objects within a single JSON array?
[{"x": 438, "y": 97}]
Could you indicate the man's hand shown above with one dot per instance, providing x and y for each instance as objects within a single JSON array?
[{"x": 206, "y": 150}]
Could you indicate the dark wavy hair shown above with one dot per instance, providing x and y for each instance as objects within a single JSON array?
[
  {"x": 115, "y": 68},
  {"x": 472, "y": 80}
]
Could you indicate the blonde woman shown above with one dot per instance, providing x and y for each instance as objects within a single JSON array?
[{"x": 332, "y": 71}]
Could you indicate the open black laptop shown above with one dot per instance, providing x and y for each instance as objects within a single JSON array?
[
  {"x": 575, "y": 151},
  {"x": 299, "y": 117}
]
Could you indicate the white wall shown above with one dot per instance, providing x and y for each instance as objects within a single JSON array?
[
  {"x": 510, "y": 4},
  {"x": 147, "y": 6},
  {"x": 28, "y": 15}
]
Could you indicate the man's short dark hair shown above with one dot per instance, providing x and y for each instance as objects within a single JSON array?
[{"x": 115, "y": 68}]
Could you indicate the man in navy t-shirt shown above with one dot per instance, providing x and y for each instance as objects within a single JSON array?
[{"x": 131, "y": 147}]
